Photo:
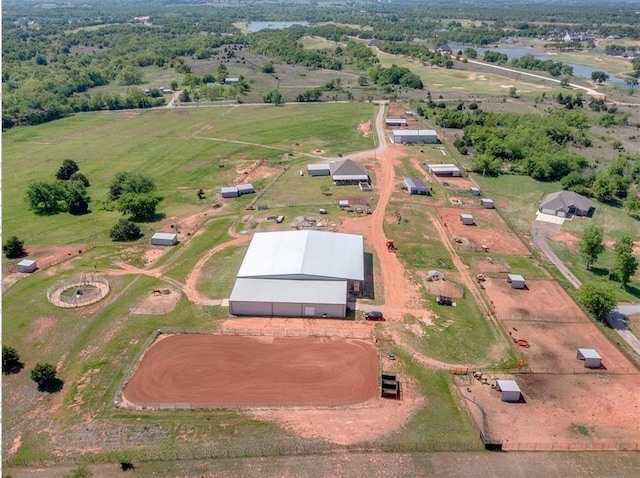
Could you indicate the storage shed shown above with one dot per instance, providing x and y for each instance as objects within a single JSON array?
[
  {"x": 229, "y": 192},
  {"x": 245, "y": 189},
  {"x": 164, "y": 239},
  {"x": 399, "y": 136},
  {"x": 487, "y": 203},
  {"x": 318, "y": 169},
  {"x": 396, "y": 122},
  {"x": 416, "y": 186},
  {"x": 475, "y": 191},
  {"x": 591, "y": 358},
  {"x": 510, "y": 390},
  {"x": 467, "y": 219},
  {"x": 516, "y": 281},
  {"x": 447, "y": 169},
  {"x": 27, "y": 265},
  {"x": 299, "y": 274}
]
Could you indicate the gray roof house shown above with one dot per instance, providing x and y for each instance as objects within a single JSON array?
[
  {"x": 299, "y": 274},
  {"x": 565, "y": 204},
  {"x": 348, "y": 172}
]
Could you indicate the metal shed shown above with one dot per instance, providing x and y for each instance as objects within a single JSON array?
[
  {"x": 510, "y": 390},
  {"x": 245, "y": 189},
  {"x": 396, "y": 122},
  {"x": 487, "y": 203},
  {"x": 27, "y": 265},
  {"x": 164, "y": 239},
  {"x": 229, "y": 192},
  {"x": 447, "y": 169},
  {"x": 416, "y": 186},
  {"x": 516, "y": 281},
  {"x": 591, "y": 358},
  {"x": 319, "y": 169},
  {"x": 399, "y": 136},
  {"x": 475, "y": 191},
  {"x": 467, "y": 219}
]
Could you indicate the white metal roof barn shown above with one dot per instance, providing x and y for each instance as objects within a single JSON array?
[
  {"x": 399, "y": 136},
  {"x": 299, "y": 274}
]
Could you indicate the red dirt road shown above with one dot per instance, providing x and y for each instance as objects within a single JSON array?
[{"x": 230, "y": 371}]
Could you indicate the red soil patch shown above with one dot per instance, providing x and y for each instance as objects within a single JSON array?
[
  {"x": 544, "y": 299},
  {"x": 443, "y": 287},
  {"x": 567, "y": 238},
  {"x": 592, "y": 411},
  {"x": 553, "y": 346},
  {"x": 230, "y": 371},
  {"x": 489, "y": 230},
  {"x": 365, "y": 129},
  {"x": 462, "y": 184},
  {"x": 259, "y": 169},
  {"x": 490, "y": 265},
  {"x": 611, "y": 244}
]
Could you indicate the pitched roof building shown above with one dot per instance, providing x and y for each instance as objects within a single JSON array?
[{"x": 565, "y": 203}]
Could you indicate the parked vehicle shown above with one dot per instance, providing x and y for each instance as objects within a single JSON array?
[
  {"x": 373, "y": 315},
  {"x": 444, "y": 300}
]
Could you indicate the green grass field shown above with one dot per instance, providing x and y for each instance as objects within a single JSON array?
[{"x": 180, "y": 149}]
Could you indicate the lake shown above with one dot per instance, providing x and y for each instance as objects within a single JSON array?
[
  {"x": 582, "y": 71},
  {"x": 257, "y": 26}
]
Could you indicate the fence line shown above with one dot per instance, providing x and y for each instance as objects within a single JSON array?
[
  {"x": 246, "y": 405},
  {"x": 54, "y": 293},
  {"x": 547, "y": 318},
  {"x": 603, "y": 373},
  {"x": 573, "y": 446}
]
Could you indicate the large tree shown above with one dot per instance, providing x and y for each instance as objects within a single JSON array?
[
  {"x": 124, "y": 230},
  {"x": 69, "y": 166},
  {"x": 625, "y": 264},
  {"x": 13, "y": 248},
  {"x": 591, "y": 245},
  {"x": 599, "y": 76},
  {"x": 10, "y": 360},
  {"x": 142, "y": 207},
  {"x": 45, "y": 197},
  {"x": 598, "y": 298},
  {"x": 275, "y": 97},
  {"x": 44, "y": 374},
  {"x": 130, "y": 182},
  {"x": 77, "y": 203}
]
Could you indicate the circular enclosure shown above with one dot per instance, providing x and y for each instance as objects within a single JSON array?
[{"x": 78, "y": 292}]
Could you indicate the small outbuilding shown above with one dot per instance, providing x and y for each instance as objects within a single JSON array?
[
  {"x": 475, "y": 191},
  {"x": 510, "y": 390},
  {"x": 416, "y": 186},
  {"x": 487, "y": 203},
  {"x": 27, "y": 265},
  {"x": 229, "y": 192},
  {"x": 245, "y": 189},
  {"x": 396, "y": 122},
  {"x": 467, "y": 219},
  {"x": 516, "y": 281},
  {"x": 164, "y": 239},
  {"x": 318, "y": 169},
  {"x": 591, "y": 358},
  {"x": 445, "y": 169}
]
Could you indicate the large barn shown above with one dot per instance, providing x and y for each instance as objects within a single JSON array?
[
  {"x": 399, "y": 136},
  {"x": 299, "y": 274}
]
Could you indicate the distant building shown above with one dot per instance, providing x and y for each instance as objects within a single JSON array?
[
  {"x": 164, "y": 239},
  {"x": 400, "y": 136},
  {"x": 516, "y": 281},
  {"x": 395, "y": 122},
  {"x": 318, "y": 169},
  {"x": 467, "y": 219},
  {"x": 348, "y": 172},
  {"x": 487, "y": 203},
  {"x": 416, "y": 186},
  {"x": 444, "y": 169},
  {"x": 27, "y": 265}
]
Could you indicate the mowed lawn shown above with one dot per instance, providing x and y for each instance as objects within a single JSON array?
[{"x": 180, "y": 149}]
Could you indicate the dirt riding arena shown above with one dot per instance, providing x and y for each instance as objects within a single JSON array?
[
  {"x": 490, "y": 266},
  {"x": 541, "y": 299},
  {"x": 553, "y": 347},
  {"x": 560, "y": 412},
  {"x": 235, "y": 371},
  {"x": 489, "y": 230},
  {"x": 455, "y": 183}
]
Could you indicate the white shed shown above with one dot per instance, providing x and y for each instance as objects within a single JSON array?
[
  {"x": 487, "y": 203},
  {"x": 396, "y": 122},
  {"x": 510, "y": 390},
  {"x": 475, "y": 191},
  {"x": 322, "y": 169},
  {"x": 467, "y": 219},
  {"x": 27, "y": 265},
  {"x": 164, "y": 239},
  {"x": 229, "y": 192},
  {"x": 591, "y": 358},
  {"x": 516, "y": 281},
  {"x": 445, "y": 169}
]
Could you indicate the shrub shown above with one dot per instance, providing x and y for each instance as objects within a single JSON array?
[
  {"x": 13, "y": 248},
  {"x": 125, "y": 230}
]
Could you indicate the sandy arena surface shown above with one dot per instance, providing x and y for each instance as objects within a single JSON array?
[
  {"x": 230, "y": 371},
  {"x": 555, "y": 406},
  {"x": 544, "y": 299},
  {"x": 489, "y": 230}
]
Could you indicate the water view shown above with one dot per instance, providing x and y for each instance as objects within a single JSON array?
[{"x": 257, "y": 26}]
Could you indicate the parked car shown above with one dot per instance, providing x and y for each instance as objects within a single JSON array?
[
  {"x": 444, "y": 300},
  {"x": 373, "y": 315}
]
